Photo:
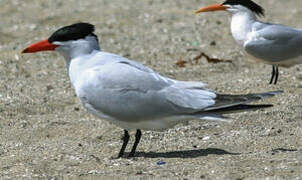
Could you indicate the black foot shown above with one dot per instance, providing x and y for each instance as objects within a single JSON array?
[
  {"x": 125, "y": 142},
  {"x": 273, "y": 75},
  {"x": 138, "y": 136}
]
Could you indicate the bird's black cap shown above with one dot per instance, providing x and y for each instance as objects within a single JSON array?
[
  {"x": 72, "y": 32},
  {"x": 248, "y": 4}
]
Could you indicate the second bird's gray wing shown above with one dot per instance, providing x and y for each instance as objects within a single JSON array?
[{"x": 272, "y": 42}]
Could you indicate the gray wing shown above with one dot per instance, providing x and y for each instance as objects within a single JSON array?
[
  {"x": 129, "y": 92},
  {"x": 274, "y": 42}
]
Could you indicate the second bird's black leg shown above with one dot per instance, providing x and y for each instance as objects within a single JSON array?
[
  {"x": 277, "y": 74},
  {"x": 125, "y": 142},
  {"x": 273, "y": 75},
  {"x": 138, "y": 136}
]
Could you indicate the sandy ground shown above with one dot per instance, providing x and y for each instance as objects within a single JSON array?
[{"x": 46, "y": 133}]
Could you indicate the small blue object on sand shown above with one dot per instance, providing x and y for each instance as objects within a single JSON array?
[{"x": 160, "y": 163}]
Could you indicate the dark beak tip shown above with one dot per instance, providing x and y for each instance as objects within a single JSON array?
[{"x": 24, "y": 51}]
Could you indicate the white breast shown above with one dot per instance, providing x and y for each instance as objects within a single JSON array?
[{"x": 241, "y": 26}]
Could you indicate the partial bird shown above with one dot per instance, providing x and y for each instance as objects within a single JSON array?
[
  {"x": 131, "y": 95},
  {"x": 273, "y": 44}
]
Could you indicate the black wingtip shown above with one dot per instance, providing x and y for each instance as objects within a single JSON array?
[
  {"x": 276, "y": 92},
  {"x": 240, "y": 108},
  {"x": 268, "y": 94}
]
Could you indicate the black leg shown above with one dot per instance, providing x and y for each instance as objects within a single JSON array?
[
  {"x": 273, "y": 75},
  {"x": 277, "y": 75},
  {"x": 125, "y": 142},
  {"x": 138, "y": 136}
]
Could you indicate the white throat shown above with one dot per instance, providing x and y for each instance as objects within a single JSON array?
[{"x": 241, "y": 25}]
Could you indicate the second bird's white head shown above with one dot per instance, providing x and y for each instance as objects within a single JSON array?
[{"x": 235, "y": 7}]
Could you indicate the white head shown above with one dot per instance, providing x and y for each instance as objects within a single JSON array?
[
  {"x": 71, "y": 41},
  {"x": 236, "y": 6}
]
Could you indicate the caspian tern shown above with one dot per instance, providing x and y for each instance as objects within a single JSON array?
[
  {"x": 273, "y": 44},
  {"x": 131, "y": 95}
]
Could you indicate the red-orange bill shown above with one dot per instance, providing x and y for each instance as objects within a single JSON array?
[
  {"x": 216, "y": 7},
  {"x": 40, "y": 46}
]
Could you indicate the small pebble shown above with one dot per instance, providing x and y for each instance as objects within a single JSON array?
[
  {"x": 194, "y": 43},
  {"x": 49, "y": 87},
  {"x": 159, "y": 20},
  {"x": 16, "y": 57},
  {"x": 99, "y": 137},
  {"x": 139, "y": 172},
  {"x": 206, "y": 138},
  {"x": 213, "y": 43}
]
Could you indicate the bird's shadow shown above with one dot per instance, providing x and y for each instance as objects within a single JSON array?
[{"x": 184, "y": 154}]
